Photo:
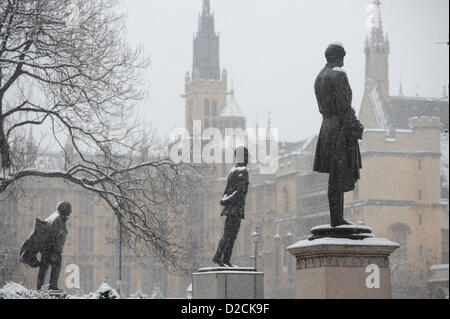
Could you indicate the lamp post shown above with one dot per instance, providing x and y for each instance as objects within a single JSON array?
[
  {"x": 256, "y": 237},
  {"x": 119, "y": 282},
  {"x": 120, "y": 253}
]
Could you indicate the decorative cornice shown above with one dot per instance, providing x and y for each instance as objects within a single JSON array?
[
  {"x": 341, "y": 261},
  {"x": 339, "y": 252},
  {"x": 377, "y": 202},
  {"x": 401, "y": 154}
]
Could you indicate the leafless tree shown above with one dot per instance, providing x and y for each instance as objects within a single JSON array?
[{"x": 67, "y": 70}]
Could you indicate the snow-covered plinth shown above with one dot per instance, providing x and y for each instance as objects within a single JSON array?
[
  {"x": 373, "y": 242},
  {"x": 228, "y": 283},
  {"x": 226, "y": 269},
  {"x": 360, "y": 228},
  {"x": 356, "y": 232},
  {"x": 341, "y": 268}
]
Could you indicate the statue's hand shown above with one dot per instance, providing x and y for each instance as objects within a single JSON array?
[{"x": 55, "y": 258}]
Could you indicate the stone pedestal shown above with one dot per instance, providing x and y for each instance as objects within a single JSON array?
[
  {"x": 339, "y": 268},
  {"x": 228, "y": 283}
]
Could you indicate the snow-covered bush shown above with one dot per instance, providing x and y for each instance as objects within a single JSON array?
[
  {"x": 104, "y": 292},
  {"x": 15, "y": 291}
]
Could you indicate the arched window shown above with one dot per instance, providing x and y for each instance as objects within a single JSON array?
[
  {"x": 11, "y": 206},
  {"x": 356, "y": 192},
  {"x": 444, "y": 245},
  {"x": 286, "y": 199},
  {"x": 399, "y": 233},
  {"x": 190, "y": 108},
  {"x": 214, "y": 123},
  {"x": 189, "y": 115},
  {"x": 206, "y": 124},
  {"x": 206, "y": 107},
  {"x": 214, "y": 108}
]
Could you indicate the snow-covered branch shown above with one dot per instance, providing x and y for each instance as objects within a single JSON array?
[{"x": 80, "y": 86}]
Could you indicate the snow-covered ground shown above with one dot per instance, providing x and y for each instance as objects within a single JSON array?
[{"x": 15, "y": 291}]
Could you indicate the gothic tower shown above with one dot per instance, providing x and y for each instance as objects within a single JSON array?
[
  {"x": 376, "y": 92},
  {"x": 377, "y": 51},
  {"x": 206, "y": 86}
]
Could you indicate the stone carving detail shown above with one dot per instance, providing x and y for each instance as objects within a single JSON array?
[{"x": 341, "y": 261}]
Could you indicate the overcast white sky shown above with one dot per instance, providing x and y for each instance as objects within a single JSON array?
[{"x": 273, "y": 50}]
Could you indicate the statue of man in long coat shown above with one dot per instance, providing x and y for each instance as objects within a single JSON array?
[
  {"x": 48, "y": 239},
  {"x": 337, "y": 150}
]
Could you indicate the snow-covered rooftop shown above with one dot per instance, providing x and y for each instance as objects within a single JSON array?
[{"x": 378, "y": 109}]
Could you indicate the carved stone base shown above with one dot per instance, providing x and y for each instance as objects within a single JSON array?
[
  {"x": 332, "y": 268},
  {"x": 227, "y": 283}
]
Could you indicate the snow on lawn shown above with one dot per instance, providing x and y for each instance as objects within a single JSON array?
[{"x": 15, "y": 291}]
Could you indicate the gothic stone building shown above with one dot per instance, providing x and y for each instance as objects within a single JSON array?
[{"x": 402, "y": 195}]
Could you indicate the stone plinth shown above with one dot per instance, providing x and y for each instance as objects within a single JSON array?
[
  {"x": 339, "y": 268},
  {"x": 227, "y": 283}
]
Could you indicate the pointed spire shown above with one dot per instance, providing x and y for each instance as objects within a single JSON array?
[
  {"x": 31, "y": 149},
  {"x": 30, "y": 142},
  {"x": 144, "y": 149},
  {"x": 206, "y": 7},
  {"x": 68, "y": 146},
  {"x": 400, "y": 89},
  {"x": 377, "y": 37},
  {"x": 269, "y": 126},
  {"x": 257, "y": 129},
  {"x": 69, "y": 151},
  {"x": 445, "y": 89},
  {"x": 377, "y": 51},
  {"x": 206, "y": 46},
  {"x": 378, "y": 23}
]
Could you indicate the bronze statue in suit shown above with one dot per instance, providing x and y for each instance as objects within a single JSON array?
[{"x": 234, "y": 207}]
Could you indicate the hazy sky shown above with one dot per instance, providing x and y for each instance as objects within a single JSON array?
[{"x": 273, "y": 50}]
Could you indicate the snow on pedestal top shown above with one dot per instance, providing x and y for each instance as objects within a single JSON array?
[{"x": 344, "y": 242}]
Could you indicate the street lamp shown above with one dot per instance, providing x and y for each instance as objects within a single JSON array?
[
  {"x": 256, "y": 237},
  {"x": 119, "y": 282}
]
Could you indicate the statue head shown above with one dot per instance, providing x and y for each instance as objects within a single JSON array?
[
  {"x": 64, "y": 210},
  {"x": 335, "y": 54},
  {"x": 241, "y": 154}
]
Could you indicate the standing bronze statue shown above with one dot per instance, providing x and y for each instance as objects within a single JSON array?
[
  {"x": 234, "y": 202},
  {"x": 337, "y": 150}
]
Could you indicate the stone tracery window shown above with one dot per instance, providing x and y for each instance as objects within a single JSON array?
[
  {"x": 399, "y": 233},
  {"x": 207, "y": 110}
]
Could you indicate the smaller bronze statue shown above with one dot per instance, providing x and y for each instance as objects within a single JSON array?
[
  {"x": 337, "y": 150},
  {"x": 234, "y": 202},
  {"x": 48, "y": 239}
]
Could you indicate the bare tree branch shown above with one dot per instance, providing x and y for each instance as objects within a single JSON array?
[{"x": 82, "y": 84}]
